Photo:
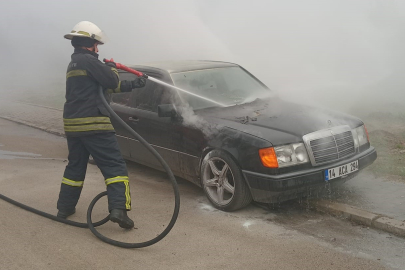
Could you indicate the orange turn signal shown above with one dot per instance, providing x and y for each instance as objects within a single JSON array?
[
  {"x": 368, "y": 138},
  {"x": 268, "y": 157}
]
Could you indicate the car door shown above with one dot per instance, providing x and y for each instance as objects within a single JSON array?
[
  {"x": 158, "y": 131},
  {"x": 191, "y": 144}
]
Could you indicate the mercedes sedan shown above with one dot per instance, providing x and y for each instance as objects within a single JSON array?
[{"x": 225, "y": 131}]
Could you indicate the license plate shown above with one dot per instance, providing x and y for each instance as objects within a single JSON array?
[{"x": 341, "y": 170}]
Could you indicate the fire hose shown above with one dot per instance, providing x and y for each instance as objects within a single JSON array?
[{"x": 90, "y": 223}]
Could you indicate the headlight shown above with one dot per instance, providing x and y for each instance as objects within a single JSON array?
[
  {"x": 360, "y": 136},
  {"x": 283, "y": 156}
]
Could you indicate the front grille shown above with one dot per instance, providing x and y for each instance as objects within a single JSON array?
[{"x": 329, "y": 145}]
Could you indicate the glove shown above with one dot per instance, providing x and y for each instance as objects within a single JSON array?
[
  {"x": 111, "y": 64},
  {"x": 138, "y": 82}
]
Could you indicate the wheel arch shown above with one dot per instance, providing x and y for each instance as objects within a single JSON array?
[{"x": 209, "y": 149}]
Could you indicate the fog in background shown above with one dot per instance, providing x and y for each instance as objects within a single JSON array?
[{"x": 338, "y": 54}]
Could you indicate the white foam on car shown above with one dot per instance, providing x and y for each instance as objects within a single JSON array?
[
  {"x": 207, "y": 207},
  {"x": 247, "y": 224}
]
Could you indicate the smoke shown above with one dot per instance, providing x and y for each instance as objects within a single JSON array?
[
  {"x": 35, "y": 54},
  {"x": 190, "y": 119},
  {"x": 327, "y": 53},
  {"x": 336, "y": 54}
]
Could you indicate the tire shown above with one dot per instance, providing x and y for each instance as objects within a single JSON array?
[{"x": 223, "y": 182}]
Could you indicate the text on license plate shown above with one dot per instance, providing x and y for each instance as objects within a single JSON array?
[{"x": 341, "y": 170}]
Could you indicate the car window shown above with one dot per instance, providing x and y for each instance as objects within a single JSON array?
[
  {"x": 149, "y": 97},
  {"x": 122, "y": 98},
  {"x": 145, "y": 98}
]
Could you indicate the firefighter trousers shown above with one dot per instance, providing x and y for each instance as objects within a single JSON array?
[{"x": 105, "y": 151}]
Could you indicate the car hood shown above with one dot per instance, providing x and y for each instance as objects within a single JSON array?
[{"x": 276, "y": 120}]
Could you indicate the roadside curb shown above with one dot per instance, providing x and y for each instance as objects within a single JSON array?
[
  {"x": 49, "y": 130},
  {"x": 360, "y": 216}
]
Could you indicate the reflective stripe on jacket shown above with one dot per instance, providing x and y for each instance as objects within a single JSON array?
[
  {"x": 84, "y": 113},
  {"x": 87, "y": 124}
]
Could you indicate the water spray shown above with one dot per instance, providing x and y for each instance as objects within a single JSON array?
[{"x": 140, "y": 74}]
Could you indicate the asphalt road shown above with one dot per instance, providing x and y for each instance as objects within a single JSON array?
[{"x": 289, "y": 237}]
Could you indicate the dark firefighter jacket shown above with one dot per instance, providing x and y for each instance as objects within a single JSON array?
[{"x": 84, "y": 113}]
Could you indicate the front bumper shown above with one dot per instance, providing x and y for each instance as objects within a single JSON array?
[{"x": 277, "y": 188}]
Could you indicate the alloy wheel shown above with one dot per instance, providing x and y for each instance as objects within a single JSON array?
[{"x": 218, "y": 181}]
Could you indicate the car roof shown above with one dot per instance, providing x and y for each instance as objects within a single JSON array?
[{"x": 181, "y": 66}]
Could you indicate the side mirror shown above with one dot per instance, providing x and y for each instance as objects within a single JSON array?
[{"x": 167, "y": 110}]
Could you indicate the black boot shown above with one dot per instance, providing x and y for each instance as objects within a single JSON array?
[
  {"x": 65, "y": 214},
  {"x": 120, "y": 216}
]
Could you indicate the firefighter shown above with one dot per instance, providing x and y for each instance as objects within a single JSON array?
[{"x": 88, "y": 127}]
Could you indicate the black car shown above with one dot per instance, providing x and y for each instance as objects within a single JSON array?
[{"x": 234, "y": 137}]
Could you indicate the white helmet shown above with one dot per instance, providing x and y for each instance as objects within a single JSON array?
[{"x": 87, "y": 29}]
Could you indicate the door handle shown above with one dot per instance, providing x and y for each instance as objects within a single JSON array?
[{"x": 132, "y": 119}]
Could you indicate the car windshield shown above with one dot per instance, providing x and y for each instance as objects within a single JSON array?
[{"x": 227, "y": 85}]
